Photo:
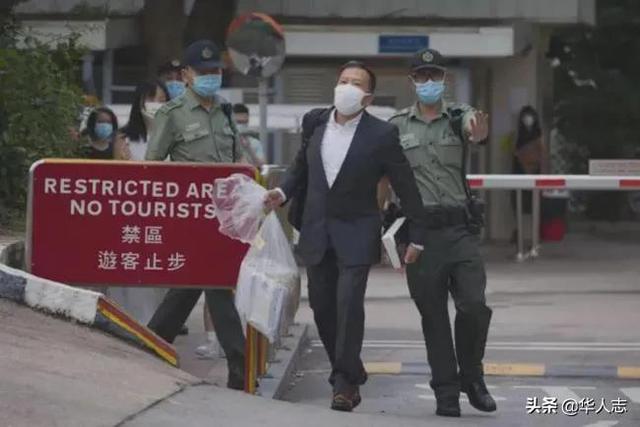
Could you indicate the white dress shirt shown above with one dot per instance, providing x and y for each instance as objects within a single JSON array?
[
  {"x": 336, "y": 142},
  {"x": 137, "y": 148},
  {"x": 335, "y": 145}
]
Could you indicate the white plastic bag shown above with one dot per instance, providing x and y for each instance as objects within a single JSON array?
[
  {"x": 239, "y": 206},
  {"x": 268, "y": 287}
]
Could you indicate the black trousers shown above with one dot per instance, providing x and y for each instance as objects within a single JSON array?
[
  {"x": 178, "y": 304},
  {"x": 336, "y": 296},
  {"x": 451, "y": 264}
]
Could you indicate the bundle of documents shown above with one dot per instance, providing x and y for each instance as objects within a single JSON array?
[{"x": 394, "y": 240}]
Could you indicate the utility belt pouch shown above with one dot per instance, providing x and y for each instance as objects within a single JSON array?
[{"x": 475, "y": 214}]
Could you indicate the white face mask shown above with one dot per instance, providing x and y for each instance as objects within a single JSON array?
[
  {"x": 348, "y": 99},
  {"x": 528, "y": 120},
  {"x": 151, "y": 108}
]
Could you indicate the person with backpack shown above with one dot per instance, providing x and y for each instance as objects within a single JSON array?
[{"x": 332, "y": 186}]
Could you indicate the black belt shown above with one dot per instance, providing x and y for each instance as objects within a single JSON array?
[{"x": 440, "y": 217}]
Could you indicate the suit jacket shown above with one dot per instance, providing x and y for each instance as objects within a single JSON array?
[{"x": 345, "y": 217}]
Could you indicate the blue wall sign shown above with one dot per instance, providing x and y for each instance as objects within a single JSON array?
[{"x": 402, "y": 44}]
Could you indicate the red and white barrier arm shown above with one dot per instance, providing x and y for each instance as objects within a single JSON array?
[{"x": 552, "y": 182}]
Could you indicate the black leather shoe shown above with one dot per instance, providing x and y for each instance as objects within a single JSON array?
[
  {"x": 479, "y": 396},
  {"x": 346, "y": 400},
  {"x": 357, "y": 399},
  {"x": 448, "y": 406},
  {"x": 342, "y": 402},
  {"x": 184, "y": 330}
]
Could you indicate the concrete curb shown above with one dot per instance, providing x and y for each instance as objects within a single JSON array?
[
  {"x": 274, "y": 384},
  {"x": 80, "y": 305},
  {"x": 515, "y": 370},
  {"x": 12, "y": 253}
]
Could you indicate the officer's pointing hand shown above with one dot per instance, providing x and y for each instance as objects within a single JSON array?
[
  {"x": 479, "y": 127},
  {"x": 273, "y": 199}
]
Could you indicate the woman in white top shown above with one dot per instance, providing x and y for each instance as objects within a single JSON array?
[
  {"x": 132, "y": 141},
  {"x": 131, "y": 144}
]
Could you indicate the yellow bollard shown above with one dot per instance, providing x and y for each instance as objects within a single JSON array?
[
  {"x": 251, "y": 344},
  {"x": 263, "y": 355},
  {"x": 250, "y": 360}
]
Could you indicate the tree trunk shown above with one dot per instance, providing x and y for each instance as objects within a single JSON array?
[
  {"x": 6, "y": 18},
  {"x": 163, "y": 23}
]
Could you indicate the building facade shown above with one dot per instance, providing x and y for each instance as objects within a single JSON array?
[{"x": 496, "y": 50}]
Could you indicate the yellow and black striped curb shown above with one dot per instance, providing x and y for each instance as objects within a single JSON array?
[
  {"x": 514, "y": 370},
  {"x": 83, "y": 306}
]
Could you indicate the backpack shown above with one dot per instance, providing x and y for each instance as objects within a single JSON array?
[{"x": 312, "y": 120}]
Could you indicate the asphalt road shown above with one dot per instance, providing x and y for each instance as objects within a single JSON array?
[
  {"x": 575, "y": 307},
  {"x": 409, "y": 396}
]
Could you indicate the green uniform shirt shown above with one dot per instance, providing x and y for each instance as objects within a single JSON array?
[
  {"x": 187, "y": 132},
  {"x": 435, "y": 154}
]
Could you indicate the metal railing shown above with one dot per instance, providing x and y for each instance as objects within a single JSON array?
[
  {"x": 518, "y": 183},
  {"x": 539, "y": 183}
]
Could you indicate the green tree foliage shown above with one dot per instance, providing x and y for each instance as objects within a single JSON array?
[
  {"x": 597, "y": 89},
  {"x": 39, "y": 103}
]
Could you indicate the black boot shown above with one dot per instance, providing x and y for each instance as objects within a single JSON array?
[
  {"x": 479, "y": 396},
  {"x": 471, "y": 330},
  {"x": 448, "y": 405},
  {"x": 235, "y": 379}
]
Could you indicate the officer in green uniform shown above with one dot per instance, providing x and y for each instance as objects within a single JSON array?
[
  {"x": 433, "y": 135},
  {"x": 197, "y": 127}
]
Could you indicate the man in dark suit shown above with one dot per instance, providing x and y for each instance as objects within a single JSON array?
[{"x": 345, "y": 153}]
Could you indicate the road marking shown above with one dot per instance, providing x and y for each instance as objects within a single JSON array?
[
  {"x": 549, "y": 348},
  {"x": 511, "y": 346},
  {"x": 507, "y": 369},
  {"x": 560, "y": 392},
  {"x": 629, "y": 372},
  {"x": 521, "y": 343},
  {"x": 426, "y": 386},
  {"x": 602, "y": 424},
  {"x": 383, "y": 368},
  {"x": 462, "y": 398},
  {"x": 632, "y": 393}
]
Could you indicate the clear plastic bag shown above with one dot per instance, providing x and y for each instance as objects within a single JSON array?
[
  {"x": 239, "y": 205},
  {"x": 268, "y": 289}
]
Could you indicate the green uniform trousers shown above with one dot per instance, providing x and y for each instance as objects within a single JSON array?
[
  {"x": 451, "y": 264},
  {"x": 175, "y": 309}
]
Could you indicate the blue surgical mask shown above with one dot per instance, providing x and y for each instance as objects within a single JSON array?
[
  {"x": 207, "y": 85},
  {"x": 430, "y": 92},
  {"x": 175, "y": 88},
  {"x": 103, "y": 130}
]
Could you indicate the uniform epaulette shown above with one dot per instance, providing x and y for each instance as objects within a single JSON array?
[
  {"x": 402, "y": 112},
  {"x": 172, "y": 104},
  {"x": 219, "y": 99}
]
